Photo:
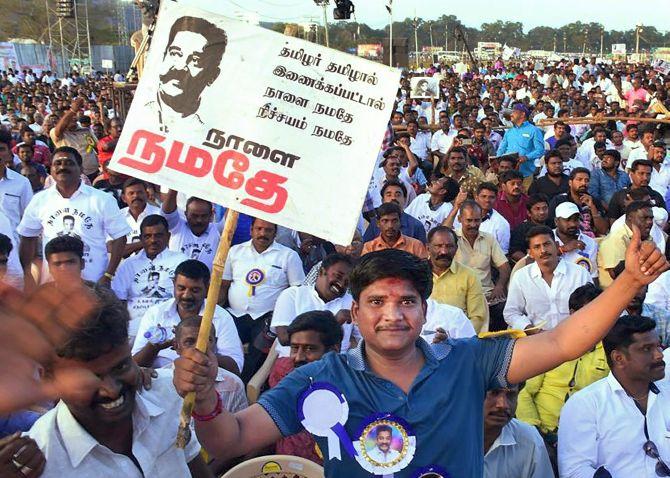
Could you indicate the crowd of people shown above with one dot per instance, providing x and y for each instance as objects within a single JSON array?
[{"x": 501, "y": 311}]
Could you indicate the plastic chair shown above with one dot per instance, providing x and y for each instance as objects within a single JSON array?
[
  {"x": 276, "y": 466},
  {"x": 255, "y": 385}
]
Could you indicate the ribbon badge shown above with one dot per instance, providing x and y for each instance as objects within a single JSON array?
[
  {"x": 254, "y": 278},
  {"x": 323, "y": 411},
  {"x": 386, "y": 445}
]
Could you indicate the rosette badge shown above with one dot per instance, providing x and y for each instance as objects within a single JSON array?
[
  {"x": 323, "y": 411},
  {"x": 386, "y": 445}
]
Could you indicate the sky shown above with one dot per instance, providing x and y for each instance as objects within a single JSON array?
[{"x": 614, "y": 14}]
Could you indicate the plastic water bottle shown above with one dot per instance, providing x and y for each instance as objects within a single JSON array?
[{"x": 158, "y": 334}]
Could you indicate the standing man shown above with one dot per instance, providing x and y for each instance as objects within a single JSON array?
[
  {"x": 107, "y": 144},
  {"x": 539, "y": 292},
  {"x": 196, "y": 236},
  {"x": 15, "y": 190},
  {"x": 538, "y": 212},
  {"x": 145, "y": 279},
  {"x": 573, "y": 244},
  {"x": 616, "y": 426},
  {"x": 525, "y": 139},
  {"x": 191, "y": 281},
  {"x": 389, "y": 289},
  {"x": 513, "y": 449},
  {"x": 511, "y": 201},
  {"x": 453, "y": 283},
  {"x": 75, "y": 209},
  {"x": 135, "y": 196},
  {"x": 443, "y": 138},
  {"x": 256, "y": 272},
  {"x": 480, "y": 251},
  {"x": 660, "y": 174}
]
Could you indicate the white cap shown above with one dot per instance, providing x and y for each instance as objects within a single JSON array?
[{"x": 566, "y": 210}]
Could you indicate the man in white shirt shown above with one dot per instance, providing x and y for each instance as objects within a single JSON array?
[
  {"x": 442, "y": 139},
  {"x": 195, "y": 236},
  {"x": 382, "y": 451},
  {"x": 643, "y": 152},
  {"x": 660, "y": 173},
  {"x": 445, "y": 321},
  {"x": 419, "y": 141},
  {"x": 191, "y": 281},
  {"x": 329, "y": 293},
  {"x": 512, "y": 448},
  {"x": 430, "y": 208},
  {"x": 134, "y": 194},
  {"x": 119, "y": 429},
  {"x": 13, "y": 271},
  {"x": 492, "y": 221},
  {"x": 617, "y": 426},
  {"x": 75, "y": 209},
  {"x": 539, "y": 292},
  {"x": 146, "y": 278},
  {"x": 15, "y": 190},
  {"x": 256, "y": 272},
  {"x": 573, "y": 245}
]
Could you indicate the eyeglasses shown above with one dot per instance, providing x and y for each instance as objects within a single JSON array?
[{"x": 651, "y": 451}]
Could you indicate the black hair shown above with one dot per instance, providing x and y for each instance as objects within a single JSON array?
[
  {"x": 133, "y": 182},
  {"x": 469, "y": 204},
  {"x": 388, "y": 208},
  {"x": 336, "y": 258},
  {"x": 69, "y": 150},
  {"x": 321, "y": 321},
  {"x": 641, "y": 162},
  {"x": 154, "y": 220},
  {"x": 254, "y": 219},
  {"x": 534, "y": 199},
  {"x": 636, "y": 206},
  {"x": 64, "y": 244},
  {"x": 583, "y": 295},
  {"x": 193, "y": 321},
  {"x": 193, "y": 199},
  {"x": 104, "y": 329},
  {"x": 538, "y": 231},
  {"x": 194, "y": 270},
  {"x": 510, "y": 175},
  {"x": 6, "y": 245},
  {"x": 562, "y": 142},
  {"x": 620, "y": 336},
  {"x": 554, "y": 153},
  {"x": 384, "y": 428},
  {"x": 394, "y": 182},
  {"x": 576, "y": 171},
  {"x": 613, "y": 153},
  {"x": 217, "y": 40},
  {"x": 439, "y": 229},
  {"x": 486, "y": 186},
  {"x": 391, "y": 263}
]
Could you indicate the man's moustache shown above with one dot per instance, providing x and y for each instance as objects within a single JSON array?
[{"x": 173, "y": 74}]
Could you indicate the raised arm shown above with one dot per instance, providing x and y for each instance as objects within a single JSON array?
[
  {"x": 67, "y": 118},
  {"x": 576, "y": 335}
]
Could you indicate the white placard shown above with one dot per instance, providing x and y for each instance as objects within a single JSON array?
[
  {"x": 618, "y": 49},
  {"x": 107, "y": 64},
  {"x": 268, "y": 125}
]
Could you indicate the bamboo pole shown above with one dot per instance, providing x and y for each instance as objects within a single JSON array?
[
  {"x": 184, "y": 432},
  {"x": 601, "y": 119}
]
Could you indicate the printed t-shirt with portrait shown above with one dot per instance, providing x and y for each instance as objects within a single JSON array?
[
  {"x": 421, "y": 210},
  {"x": 144, "y": 282},
  {"x": 182, "y": 239},
  {"x": 304, "y": 298},
  {"x": 258, "y": 278},
  {"x": 91, "y": 215}
]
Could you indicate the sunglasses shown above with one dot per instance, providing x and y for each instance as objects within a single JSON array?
[{"x": 651, "y": 451}]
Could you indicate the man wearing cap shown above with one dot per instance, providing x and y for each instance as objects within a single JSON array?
[
  {"x": 573, "y": 245},
  {"x": 526, "y": 139}
]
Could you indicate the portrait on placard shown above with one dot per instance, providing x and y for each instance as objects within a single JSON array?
[
  {"x": 191, "y": 60},
  {"x": 425, "y": 87}
]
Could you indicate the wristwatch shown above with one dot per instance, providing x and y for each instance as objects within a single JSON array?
[{"x": 108, "y": 275}]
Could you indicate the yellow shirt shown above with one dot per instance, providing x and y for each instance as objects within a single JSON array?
[
  {"x": 459, "y": 286},
  {"x": 485, "y": 253},
  {"x": 611, "y": 251},
  {"x": 541, "y": 400}
]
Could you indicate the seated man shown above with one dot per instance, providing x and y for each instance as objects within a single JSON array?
[
  {"x": 539, "y": 292},
  {"x": 616, "y": 427},
  {"x": 120, "y": 430},
  {"x": 395, "y": 191},
  {"x": 512, "y": 449},
  {"x": 329, "y": 293},
  {"x": 390, "y": 235},
  {"x": 65, "y": 261},
  {"x": 541, "y": 400},
  {"x": 311, "y": 335},
  {"x": 146, "y": 278},
  {"x": 191, "y": 281}
]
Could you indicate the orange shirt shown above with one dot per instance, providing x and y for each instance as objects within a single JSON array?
[{"x": 405, "y": 243}]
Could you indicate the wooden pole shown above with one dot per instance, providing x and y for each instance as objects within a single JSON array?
[
  {"x": 184, "y": 432},
  {"x": 602, "y": 119}
]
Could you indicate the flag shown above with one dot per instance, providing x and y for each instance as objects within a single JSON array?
[{"x": 389, "y": 7}]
